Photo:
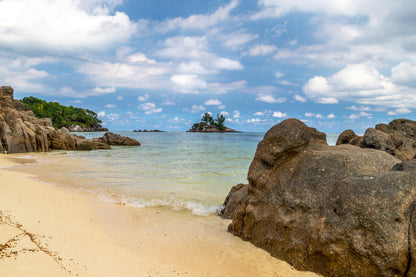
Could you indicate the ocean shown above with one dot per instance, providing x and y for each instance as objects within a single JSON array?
[{"x": 189, "y": 172}]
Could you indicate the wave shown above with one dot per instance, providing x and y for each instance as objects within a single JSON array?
[{"x": 197, "y": 208}]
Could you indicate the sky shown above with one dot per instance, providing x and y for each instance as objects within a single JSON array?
[{"x": 161, "y": 64}]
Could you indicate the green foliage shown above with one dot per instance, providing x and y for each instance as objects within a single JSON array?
[
  {"x": 219, "y": 122},
  {"x": 208, "y": 120},
  {"x": 62, "y": 116}
]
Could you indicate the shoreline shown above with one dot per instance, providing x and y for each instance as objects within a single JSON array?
[{"x": 51, "y": 230}]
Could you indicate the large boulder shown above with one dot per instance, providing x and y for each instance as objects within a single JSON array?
[
  {"x": 349, "y": 137},
  {"x": 336, "y": 210},
  {"x": 368, "y": 226},
  {"x": 115, "y": 139}
]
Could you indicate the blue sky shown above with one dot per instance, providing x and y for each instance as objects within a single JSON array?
[{"x": 161, "y": 64}]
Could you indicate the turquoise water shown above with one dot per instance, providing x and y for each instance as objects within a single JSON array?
[
  {"x": 191, "y": 171},
  {"x": 179, "y": 171}
]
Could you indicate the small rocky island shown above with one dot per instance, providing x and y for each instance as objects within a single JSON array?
[
  {"x": 344, "y": 210},
  {"x": 210, "y": 125},
  {"x": 21, "y": 131}
]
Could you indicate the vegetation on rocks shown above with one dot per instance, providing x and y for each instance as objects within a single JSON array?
[
  {"x": 62, "y": 116},
  {"x": 208, "y": 120}
]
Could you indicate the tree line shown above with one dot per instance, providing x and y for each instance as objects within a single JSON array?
[{"x": 62, "y": 116}]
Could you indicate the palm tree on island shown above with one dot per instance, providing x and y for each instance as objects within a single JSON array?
[{"x": 210, "y": 125}]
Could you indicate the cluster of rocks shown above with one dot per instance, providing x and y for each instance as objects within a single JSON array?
[
  {"x": 212, "y": 129},
  {"x": 21, "y": 131},
  {"x": 345, "y": 210},
  {"x": 147, "y": 131},
  {"x": 78, "y": 128},
  {"x": 397, "y": 138}
]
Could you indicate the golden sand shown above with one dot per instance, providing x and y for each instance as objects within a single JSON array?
[{"x": 48, "y": 230}]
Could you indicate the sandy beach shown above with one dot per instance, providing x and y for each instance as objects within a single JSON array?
[{"x": 51, "y": 230}]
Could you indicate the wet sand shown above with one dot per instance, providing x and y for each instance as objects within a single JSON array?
[{"x": 50, "y": 230}]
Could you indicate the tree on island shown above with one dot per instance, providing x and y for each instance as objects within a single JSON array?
[{"x": 208, "y": 120}]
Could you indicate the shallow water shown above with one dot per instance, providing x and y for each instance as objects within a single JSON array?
[{"x": 179, "y": 171}]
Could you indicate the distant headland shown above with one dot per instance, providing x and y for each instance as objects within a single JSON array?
[
  {"x": 210, "y": 125},
  {"x": 147, "y": 131}
]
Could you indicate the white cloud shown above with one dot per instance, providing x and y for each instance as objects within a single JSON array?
[
  {"x": 61, "y": 26},
  {"x": 403, "y": 111},
  {"x": 200, "y": 21},
  {"x": 193, "y": 52},
  {"x": 224, "y": 113},
  {"x": 361, "y": 83},
  {"x": 399, "y": 111},
  {"x": 100, "y": 91},
  {"x": 309, "y": 114},
  {"x": 213, "y": 102},
  {"x": 236, "y": 114},
  {"x": 267, "y": 13},
  {"x": 360, "y": 108},
  {"x": 279, "y": 114},
  {"x": 140, "y": 58},
  {"x": 120, "y": 97},
  {"x": 110, "y": 106},
  {"x": 404, "y": 73},
  {"x": 192, "y": 67},
  {"x": 361, "y": 114},
  {"x": 352, "y": 32},
  {"x": 237, "y": 39},
  {"x": 286, "y": 83},
  {"x": 300, "y": 98},
  {"x": 253, "y": 120},
  {"x": 168, "y": 103},
  {"x": 331, "y": 116},
  {"x": 23, "y": 81},
  {"x": 67, "y": 91},
  {"x": 112, "y": 117},
  {"x": 127, "y": 75},
  {"x": 218, "y": 88},
  {"x": 270, "y": 99},
  {"x": 195, "y": 109},
  {"x": 143, "y": 98},
  {"x": 279, "y": 75},
  {"x": 101, "y": 114},
  {"x": 187, "y": 83},
  {"x": 150, "y": 108},
  {"x": 262, "y": 50}
]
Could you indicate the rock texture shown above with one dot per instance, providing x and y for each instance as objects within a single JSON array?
[
  {"x": 335, "y": 210},
  {"x": 212, "y": 129},
  {"x": 21, "y": 131},
  {"x": 397, "y": 138},
  {"x": 114, "y": 139}
]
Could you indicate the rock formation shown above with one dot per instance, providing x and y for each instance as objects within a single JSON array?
[
  {"x": 212, "y": 129},
  {"x": 335, "y": 210},
  {"x": 114, "y": 139},
  {"x": 397, "y": 138},
  {"x": 21, "y": 131}
]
